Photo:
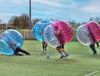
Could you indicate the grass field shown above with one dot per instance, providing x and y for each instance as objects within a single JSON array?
[{"x": 81, "y": 62}]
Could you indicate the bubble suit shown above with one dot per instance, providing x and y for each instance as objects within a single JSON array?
[
  {"x": 49, "y": 36},
  {"x": 83, "y": 35},
  {"x": 94, "y": 29},
  {"x": 39, "y": 28},
  {"x": 4, "y": 48},
  {"x": 12, "y": 36},
  {"x": 66, "y": 29}
]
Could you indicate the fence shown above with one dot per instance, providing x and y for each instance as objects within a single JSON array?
[{"x": 27, "y": 34}]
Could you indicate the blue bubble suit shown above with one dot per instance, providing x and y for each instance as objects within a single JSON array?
[
  {"x": 5, "y": 49},
  {"x": 49, "y": 36},
  {"x": 83, "y": 36},
  {"x": 13, "y": 36},
  {"x": 39, "y": 28}
]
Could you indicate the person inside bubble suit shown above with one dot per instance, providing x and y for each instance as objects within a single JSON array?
[
  {"x": 60, "y": 37},
  {"x": 17, "y": 50},
  {"x": 44, "y": 44},
  {"x": 92, "y": 45}
]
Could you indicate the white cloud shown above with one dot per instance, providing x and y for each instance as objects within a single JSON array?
[
  {"x": 23, "y": 2},
  {"x": 13, "y": 2},
  {"x": 48, "y": 2},
  {"x": 92, "y": 7},
  {"x": 53, "y": 8},
  {"x": 17, "y": 2},
  {"x": 4, "y": 16},
  {"x": 71, "y": 4}
]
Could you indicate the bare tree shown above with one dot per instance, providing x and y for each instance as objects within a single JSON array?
[
  {"x": 34, "y": 21},
  {"x": 24, "y": 21},
  {"x": 13, "y": 22},
  {"x": 20, "y": 21}
]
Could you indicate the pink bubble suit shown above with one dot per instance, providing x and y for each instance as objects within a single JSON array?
[
  {"x": 65, "y": 33},
  {"x": 65, "y": 29},
  {"x": 94, "y": 29}
]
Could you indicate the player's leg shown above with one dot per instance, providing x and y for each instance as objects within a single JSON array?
[
  {"x": 60, "y": 51},
  {"x": 92, "y": 46},
  {"x": 16, "y": 52},
  {"x": 44, "y": 46},
  {"x": 22, "y": 51},
  {"x": 97, "y": 44},
  {"x": 65, "y": 54}
]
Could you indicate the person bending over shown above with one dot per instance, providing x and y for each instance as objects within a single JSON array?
[
  {"x": 60, "y": 38},
  {"x": 44, "y": 47},
  {"x": 92, "y": 45},
  {"x": 17, "y": 50}
]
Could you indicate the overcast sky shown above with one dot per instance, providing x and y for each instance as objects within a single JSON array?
[{"x": 78, "y": 10}]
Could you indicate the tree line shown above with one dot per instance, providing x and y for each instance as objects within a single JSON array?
[{"x": 23, "y": 22}]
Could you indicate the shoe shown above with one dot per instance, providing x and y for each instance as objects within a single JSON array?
[
  {"x": 28, "y": 54},
  {"x": 61, "y": 57},
  {"x": 44, "y": 52},
  {"x": 18, "y": 54},
  {"x": 67, "y": 55},
  {"x": 95, "y": 53},
  {"x": 47, "y": 56}
]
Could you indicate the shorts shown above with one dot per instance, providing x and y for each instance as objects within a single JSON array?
[{"x": 61, "y": 46}]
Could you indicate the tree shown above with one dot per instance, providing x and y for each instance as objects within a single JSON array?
[
  {"x": 20, "y": 21},
  {"x": 13, "y": 22},
  {"x": 34, "y": 21},
  {"x": 74, "y": 24},
  {"x": 97, "y": 19},
  {"x": 24, "y": 21}
]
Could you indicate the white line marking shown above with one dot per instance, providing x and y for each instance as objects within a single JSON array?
[{"x": 91, "y": 73}]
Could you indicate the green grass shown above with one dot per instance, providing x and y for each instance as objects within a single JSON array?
[{"x": 80, "y": 62}]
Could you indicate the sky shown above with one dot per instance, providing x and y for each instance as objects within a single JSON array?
[{"x": 77, "y": 10}]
